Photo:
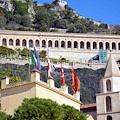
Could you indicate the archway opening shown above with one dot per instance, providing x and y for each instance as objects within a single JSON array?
[
  {"x": 62, "y": 44},
  {"x": 82, "y": 45},
  {"x": 75, "y": 44},
  {"x": 43, "y": 43},
  {"x": 56, "y": 43},
  {"x": 69, "y": 44},
  {"x": 94, "y": 45}
]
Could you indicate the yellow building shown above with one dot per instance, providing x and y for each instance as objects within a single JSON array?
[{"x": 13, "y": 94}]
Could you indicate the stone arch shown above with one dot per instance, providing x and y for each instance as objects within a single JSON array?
[
  {"x": 108, "y": 85},
  {"x": 108, "y": 104},
  {"x": 10, "y": 42},
  {"x": 118, "y": 46},
  {"x": 50, "y": 43},
  {"x": 17, "y": 42},
  {"x": 107, "y": 45},
  {"x": 113, "y": 46},
  {"x": 30, "y": 43},
  {"x": 4, "y": 42},
  {"x": 94, "y": 45},
  {"x": 56, "y": 43},
  {"x": 62, "y": 44},
  {"x": 82, "y": 45},
  {"x": 69, "y": 44},
  {"x": 24, "y": 43},
  {"x": 75, "y": 44},
  {"x": 109, "y": 117},
  {"x": 88, "y": 45},
  {"x": 100, "y": 45},
  {"x": 43, "y": 43},
  {"x": 37, "y": 43}
]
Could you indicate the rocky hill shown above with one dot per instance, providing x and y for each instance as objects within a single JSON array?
[
  {"x": 57, "y": 16},
  {"x": 89, "y": 78}
]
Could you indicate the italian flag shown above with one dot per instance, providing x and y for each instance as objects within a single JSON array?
[{"x": 33, "y": 60}]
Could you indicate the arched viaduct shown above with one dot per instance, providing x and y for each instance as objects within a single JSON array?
[{"x": 69, "y": 45}]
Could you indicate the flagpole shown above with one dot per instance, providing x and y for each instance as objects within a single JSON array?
[{"x": 29, "y": 62}]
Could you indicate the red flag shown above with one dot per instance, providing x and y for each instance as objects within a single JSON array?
[
  {"x": 75, "y": 82},
  {"x": 62, "y": 75}
]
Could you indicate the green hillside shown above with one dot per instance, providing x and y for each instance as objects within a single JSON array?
[{"x": 49, "y": 17}]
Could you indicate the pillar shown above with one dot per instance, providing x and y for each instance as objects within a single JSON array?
[
  {"x": 64, "y": 88},
  {"x": 77, "y": 95},
  {"x": 35, "y": 76},
  {"x": 4, "y": 82},
  {"x": 50, "y": 82}
]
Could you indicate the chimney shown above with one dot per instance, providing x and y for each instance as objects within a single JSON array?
[
  {"x": 64, "y": 88},
  {"x": 77, "y": 95},
  {"x": 35, "y": 75},
  {"x": 50, "y": 82},
  {"x": 4, "y": 82}
]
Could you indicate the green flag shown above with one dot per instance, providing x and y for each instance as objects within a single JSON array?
[{"x": 32, "y": 61}]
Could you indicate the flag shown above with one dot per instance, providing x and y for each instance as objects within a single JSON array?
[
  {"x": 75, "y": 82},
  {"x": 33, "y": 59},
  {"x": 51, "y": 68},
  {"x": 37, "y": 58},
  {"x": 62, "y": 75}
]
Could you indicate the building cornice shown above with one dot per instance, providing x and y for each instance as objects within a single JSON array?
[{"x": 60, "y": 35}]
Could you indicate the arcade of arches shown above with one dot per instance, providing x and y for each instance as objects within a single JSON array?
[{"x": 61, "y": 44}]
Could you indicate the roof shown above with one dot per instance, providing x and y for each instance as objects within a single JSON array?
[
  {"x": 112, "y": 69},
  {"x": 88, "y": 108},
  {"x": 88, "y": 105}
]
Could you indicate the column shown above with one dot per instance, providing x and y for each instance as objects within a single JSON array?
[
  {"x": 72, "y": 44},
  {"x": 7, "y": 42},
  {"x": 98, "y": 45},
  {"x": 103, "y": 45},
  {"x": 27, "y": 43},
  {"x": 21, "y": 43},
  {"x": 46, "y": 43},
  {"x": 14, "y": 43},
  {"x": 59, "y": 44},
  {"x": 85, "y": 45},
  {"x": 110, "y": 45},
  {"x": 66, "y": 44},
  {"x": 116, "y": 46},
  {"x": 78, "y": 45},
  {"x": 91, "y": 45}
]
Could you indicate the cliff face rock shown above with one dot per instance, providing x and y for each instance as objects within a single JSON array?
[{"x": 6, "y": 4}]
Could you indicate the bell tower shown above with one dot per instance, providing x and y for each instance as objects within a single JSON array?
[{"x": 108, "y": 107}]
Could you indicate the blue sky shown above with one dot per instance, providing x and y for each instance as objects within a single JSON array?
[{"x": 106, "y": 11}]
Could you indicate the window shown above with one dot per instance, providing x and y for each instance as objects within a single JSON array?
[
  {"x": 62, "y": 44},
  {"x": 108, "y": 104},
  {"x": 109, "y": 118},
  {"x": 108, "y": 85},
  {"x": 69, "y": 44}
]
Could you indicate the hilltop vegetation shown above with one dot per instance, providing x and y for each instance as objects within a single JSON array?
[
  {"x": 89, "y": 78},
  {"x": 49, "y": 17}
]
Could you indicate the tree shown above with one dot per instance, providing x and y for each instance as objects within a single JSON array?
[
  {"x": 46, "y": 109},
  {"x": 26, "y": 21},
  {"x": 72, "y": 114},
  {"x": 43, "y": 54},
  {"x": 2, "y": 21},
  {"x": 3, "y": 116},
  {"x": 38, "y": 109}
]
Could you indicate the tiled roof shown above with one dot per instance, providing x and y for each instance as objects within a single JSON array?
[{"x": 88, "y": 105}]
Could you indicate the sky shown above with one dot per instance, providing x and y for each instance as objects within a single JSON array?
[{"x": 106, "y": 11}]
